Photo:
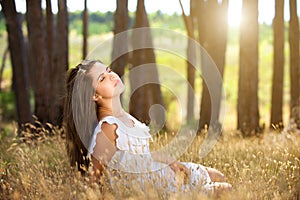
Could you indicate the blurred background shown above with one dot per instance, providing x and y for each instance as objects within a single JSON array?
[{"x": 254, "y": 44}]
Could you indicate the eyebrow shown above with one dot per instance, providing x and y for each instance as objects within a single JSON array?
[{"x": 102, "y": 73}]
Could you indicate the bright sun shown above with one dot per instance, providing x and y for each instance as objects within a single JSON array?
[{"x": 234, "y": 12}]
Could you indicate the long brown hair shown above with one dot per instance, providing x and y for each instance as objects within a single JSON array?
[{"x": 80, "y": 116}]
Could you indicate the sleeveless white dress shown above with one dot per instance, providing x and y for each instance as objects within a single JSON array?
[{"x": 133, "y": 162}]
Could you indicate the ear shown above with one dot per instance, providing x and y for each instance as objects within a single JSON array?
[{"x": 96, "y": 97}]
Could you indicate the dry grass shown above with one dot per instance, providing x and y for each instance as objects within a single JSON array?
[{"x": 265, "y": 167}]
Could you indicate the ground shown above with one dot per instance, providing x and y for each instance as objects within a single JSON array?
[{"x": 260, "y": 167}]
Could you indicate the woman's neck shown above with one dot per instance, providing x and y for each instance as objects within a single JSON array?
[{"x": 112, "y": 108}]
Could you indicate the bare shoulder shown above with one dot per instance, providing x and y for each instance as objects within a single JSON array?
[{"x": 109, "y": 130}]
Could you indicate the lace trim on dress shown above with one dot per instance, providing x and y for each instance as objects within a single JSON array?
[{"x": 124, "y": 133}]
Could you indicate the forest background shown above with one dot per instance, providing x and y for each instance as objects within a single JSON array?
[
  {"x": 100, "y": 29},
  {"x": 265, "y": 165}
]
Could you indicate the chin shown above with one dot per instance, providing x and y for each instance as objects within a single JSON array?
[
  {"x": 119, "y": 90},
  {"x": 122, "y": 88}
]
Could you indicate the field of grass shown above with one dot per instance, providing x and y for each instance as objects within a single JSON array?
[{"x": 265, "y": 167}]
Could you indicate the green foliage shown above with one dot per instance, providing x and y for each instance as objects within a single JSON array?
[
  {"x": 76, "y": 26},
  {"x": 7, "y": 106},
  {"x": 100, "y": 28},
  {"x": 2, "y": 26},
  {"x": 74, "y": 16},
  {"x": 266, "y": 33},
  {"x": 103, "y": 23},
  {"x": 100, "y": 23},
  {"x": 174, "y": 22},
  {"x": 233, "y": 35},
  {"x": 99, "y": 17}
]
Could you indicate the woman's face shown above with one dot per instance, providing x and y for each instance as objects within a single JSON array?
[{"x": 107, "y": 84}]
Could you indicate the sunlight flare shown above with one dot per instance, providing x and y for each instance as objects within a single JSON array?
[{"x": 234, "y": 13}]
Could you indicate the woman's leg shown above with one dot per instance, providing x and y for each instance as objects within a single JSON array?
[{"x": 221, "y": 187}]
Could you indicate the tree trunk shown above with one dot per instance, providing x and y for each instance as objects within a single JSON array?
[
  {"x": 39, "y": 59},
  {"x": 144, "y": 81},
  {"x": 248, "y": 113},
  {"x": 215, "y": 40},
  {"x": 278, "y": 66},
  {"x": 294, "y": 63},
  {"x": 19, "y": 64},
  {"x": 85, "y": 30},
  {"x": 62, "y": 64},
  {"x": 191, "y": 59},
  {"x": 120, "y": 42},
  {"x": 51, "y": 60}
]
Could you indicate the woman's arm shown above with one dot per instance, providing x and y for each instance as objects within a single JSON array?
[
  {"x": 105, "y": 148},
  {"x": 174, "y": 164}
]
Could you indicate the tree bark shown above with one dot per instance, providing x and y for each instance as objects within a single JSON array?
[
  {"x": 191, "y": 58},
  {"x": 62, "y": 39},
  {"x": 120, "y": 42},
  {"x": 144, "y": 81},
  {"x": 51, "y": 60},
  {"x": 214, "y": 40},
  {"x": 201, "y": 7},
  {"x": 278, "y": 67},
  {"x": 19, "y": 65},
  {"x": 62, "y": 63},
  {"x": 39, "y": 59},
  {"x": 248, "y": 113},
  {"x": 294, "y": 63},
  {"x": 85, "y": 19}
]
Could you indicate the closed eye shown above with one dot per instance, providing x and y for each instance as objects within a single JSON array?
[{"x": 102, "y": 77}]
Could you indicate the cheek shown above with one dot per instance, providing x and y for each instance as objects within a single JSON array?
[{"x": 105, "y": 89}]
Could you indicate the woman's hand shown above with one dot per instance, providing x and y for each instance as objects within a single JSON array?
[{"x": 179, "y": 167}]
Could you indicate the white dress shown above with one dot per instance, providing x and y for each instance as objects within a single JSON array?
[{"x": 133, "y": 161}]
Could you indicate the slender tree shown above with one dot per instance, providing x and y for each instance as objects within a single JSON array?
[
  {"x": 144, "y": 74},
  {"x": 62, "y": 61},
  {"x": 248, "y": 113},
  {"x": 213, "y": 37},
  {"x": 278, "y": 66},
  {"x": 39, "y": 59},
  {"x": 50, "y": 35},
  {"x": 62, "y": 39},
  {"x": 191, "y": 59},
  {"x": 120, "y": 42},
  {"x": 294, "y": 62},
  {"x": 51, "y": 59},
  {"x": 85, "y": 19},
  {"x": 19, "y": 65},
  {"x": 202, "y": 25},
  {"x": 201, "y": 7}
]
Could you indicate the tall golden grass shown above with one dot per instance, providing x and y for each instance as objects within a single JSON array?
[{"x": 264, "y": 167}]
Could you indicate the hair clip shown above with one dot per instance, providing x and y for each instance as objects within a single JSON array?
[{"x": 81, "y": 70}]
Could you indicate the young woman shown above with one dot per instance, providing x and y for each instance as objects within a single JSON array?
[{"x": 98, "y": 129}]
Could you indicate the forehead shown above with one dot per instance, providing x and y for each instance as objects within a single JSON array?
[{"x": 97, "y": 69}]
